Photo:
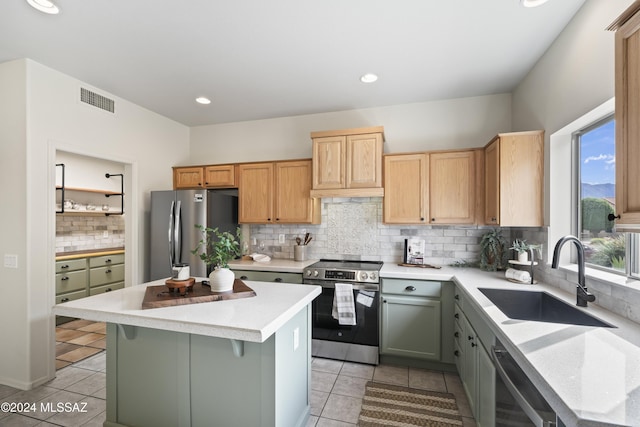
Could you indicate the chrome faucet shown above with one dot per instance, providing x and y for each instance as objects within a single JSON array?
[{"x": 582, "y": 295}]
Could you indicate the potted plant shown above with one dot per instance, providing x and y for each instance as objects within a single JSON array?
[
  {"x": 523, "y": 248},
  {"x": 217, "y": 249},
  {"x": 493, "y": 251}
]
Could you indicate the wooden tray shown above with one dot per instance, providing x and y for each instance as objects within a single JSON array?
[
  {"x": 160, "y": 296},
  {"x": 402, "y": 264}
]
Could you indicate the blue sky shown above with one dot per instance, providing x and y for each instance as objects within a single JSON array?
[{"x": 597, "y": 155}]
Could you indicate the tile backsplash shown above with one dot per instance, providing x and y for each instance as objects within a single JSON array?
[
  {"x": 77, "y": 233},
  {"x": 352, "y": 228}
]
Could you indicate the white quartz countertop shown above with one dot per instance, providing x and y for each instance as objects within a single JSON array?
[
  {"x": 589, "y": 375},
  {"x": 252, "y": 319},
  {"x": 277, "y": 265}
]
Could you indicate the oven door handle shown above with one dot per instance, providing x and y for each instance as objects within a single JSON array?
[
  {"x": 533, "y": 415},
  {"x": 332, "y": 285}
]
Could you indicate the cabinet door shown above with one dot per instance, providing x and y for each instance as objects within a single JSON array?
[
  {"x": 221, "y": 176},
  {"x": 406, "y": 188},
  {"x": 470, "y": 360},
  {"x": 452, "y": 187},
  {"x": 628, "y": 122},
  {"x": 255, "y": 193},
  {"x": 364, "y": 161},
  {"x": 329, "y": 162},
  {"x": 293, "y": 203},
  {"x": 411, "y": 327},
  {"x": 492, "y": 183},
  {"x": 188, "y": 177},
  {"x": 486, "y": 401},
  {"x": 521, "y": 181}
]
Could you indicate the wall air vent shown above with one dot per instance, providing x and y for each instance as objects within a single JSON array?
[{"x": 97, "y": 100}]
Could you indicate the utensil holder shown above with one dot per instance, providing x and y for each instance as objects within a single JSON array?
[{"x": 299, "y": 253}]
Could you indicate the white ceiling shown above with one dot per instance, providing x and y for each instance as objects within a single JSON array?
[{"x": 260, "y": 59}]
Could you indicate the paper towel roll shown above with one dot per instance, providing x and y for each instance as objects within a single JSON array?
[{"x": 519, "y": 275}]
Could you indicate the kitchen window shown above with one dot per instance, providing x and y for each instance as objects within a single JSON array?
[{"x": 594, "y": 157}]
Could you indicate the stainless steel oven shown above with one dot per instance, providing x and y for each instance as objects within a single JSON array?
[
  {"x": 518, "y": 402},
  {"x": 357, "y": 343}
]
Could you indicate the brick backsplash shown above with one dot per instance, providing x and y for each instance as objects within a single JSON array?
[
  {"x": 77, "y": 233},
  {"x": 352, "y": 228}
]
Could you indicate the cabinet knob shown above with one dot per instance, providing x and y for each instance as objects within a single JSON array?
[
  {"x": 421, "y": 219},
  {"x": 107, "y": 271},
  {"x": 456, "y": 353},
  {"x": 410, "y": 288},
  {"x": 64, "y": 300},
  {"x": 456, "y": 296},
  {"x": 64, "y": 266},
  {"x": 277, "y": 219},
  {"x": 493, "y": 219},
  {"x": 268, "y": 219},
  {"x": 243, "y": 277},
  {"x": 384, "y": 301},
  {"x": 457, "y": 316},
  {"x": 433, "y": 220},
  {"x": 612, "y": 217},
  {"x": 457, "y": 334},
  {"x": 64, "y": 278},
  {"x": 206, "y": 183}
]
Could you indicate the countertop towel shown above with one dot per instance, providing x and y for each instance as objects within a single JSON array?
[
  {"x": 519, "y": 275},
  {"x": 344, "y": 309}
]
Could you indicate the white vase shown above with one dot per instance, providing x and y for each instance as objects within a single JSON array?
[
  {"x": 221, "y": 280},
  {"x": 523, "y": 257}
]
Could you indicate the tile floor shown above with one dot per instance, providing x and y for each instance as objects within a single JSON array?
[
  {"x": 336, "y": 395},
  {"x": 77, "y": 340}
]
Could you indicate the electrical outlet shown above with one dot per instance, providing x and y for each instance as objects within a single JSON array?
[
  {"x": 105, "y": 234},
  {"x": 281, "y": 238},
  {"x": 296, "y": 338},
  {"x": 11, "y": 261}
]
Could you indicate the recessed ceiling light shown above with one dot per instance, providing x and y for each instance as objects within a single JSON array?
[
  {"x": 44, "y": 6},
  {"x": 203, "y": 100},
  {"x": 368, "y": 78},
  {"x": 532, "y": 3}
]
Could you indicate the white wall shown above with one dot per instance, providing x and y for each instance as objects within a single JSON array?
[
  {"x": 454, "y": 123},
  {"x": 147, "y": 143},
  {"x": 13, "y": 225}
]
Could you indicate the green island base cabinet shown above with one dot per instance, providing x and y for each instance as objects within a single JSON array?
[
  {"x": 166, "y": 379},
  {"x": 473, "y": 339},
  {"x": 416, "y": 327}
]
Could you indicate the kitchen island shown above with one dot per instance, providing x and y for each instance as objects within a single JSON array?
[{"x": 242, "y": 362}]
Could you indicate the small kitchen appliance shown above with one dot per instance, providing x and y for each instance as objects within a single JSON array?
[{"x": 330, "y": 339}]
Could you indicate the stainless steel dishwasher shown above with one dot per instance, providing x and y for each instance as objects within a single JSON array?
[{"x": 518, "y": 402}]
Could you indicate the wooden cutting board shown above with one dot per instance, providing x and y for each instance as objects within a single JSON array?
[{"x": 160, "y": 296}]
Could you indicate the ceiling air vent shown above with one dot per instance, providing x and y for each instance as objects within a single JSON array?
[{"x": 97, "y": 100}]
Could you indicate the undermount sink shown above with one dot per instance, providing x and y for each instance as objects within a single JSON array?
[{"x": 540, "y": 307}]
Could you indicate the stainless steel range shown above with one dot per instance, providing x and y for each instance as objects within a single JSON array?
[{"x": 357, "y": 343}]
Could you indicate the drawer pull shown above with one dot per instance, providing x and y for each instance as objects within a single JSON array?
[
  {"x": 243, "y": 277},
  {"x": 470, "y": 337},
  {"x": 64, "y": 300},
  {"x": 278, "y": 279},
  {"x": 64, "y": 266},
  {"x": 64, "y": 278},
  {"x": 107, "y": 261},
  {"x": 107, "y": 271},
  {"x": 473, "y": 344},
  {"x": 410, "y": 288},
  {"x": 108, "y": 290}
]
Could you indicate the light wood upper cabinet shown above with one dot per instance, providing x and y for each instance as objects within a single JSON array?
[
  {"x": 220, "y": 176},
  {"x": 406, "y": 178},
  {"x": 348, "y": 163},
  {"x": 627, "y": 116},
  {"x": 514, "y": 179},
  {"x": 215, "y": 176},
  {"x": 188, "y": 177},
  {"x": 452, "y": 196},
  {"x": 272, "y": 193},
  {"x": 255, "y": 193},
  {"x": 293, "y": 203}
]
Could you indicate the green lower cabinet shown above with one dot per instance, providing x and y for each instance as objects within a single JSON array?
[
  {"x": 485, "y": 399},
  {"x": 410, "y": 327}
]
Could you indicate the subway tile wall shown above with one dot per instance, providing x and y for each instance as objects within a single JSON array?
[
  {"x": 352, "y": 228},
  {"x": 76, "y": 233}
]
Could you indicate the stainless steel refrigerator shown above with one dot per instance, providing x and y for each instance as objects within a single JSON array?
[{"x": 173, "y": 232}]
